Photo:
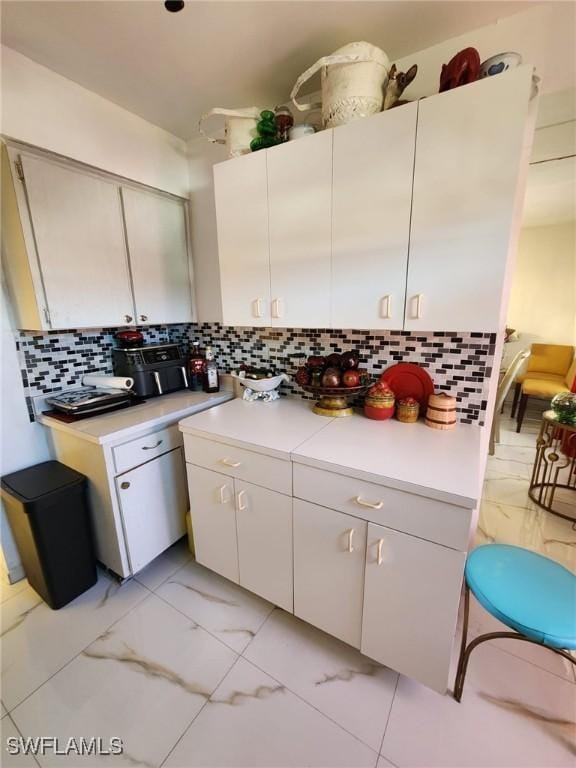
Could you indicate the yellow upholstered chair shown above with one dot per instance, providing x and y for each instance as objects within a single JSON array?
[{"x": 551, "y": 370}]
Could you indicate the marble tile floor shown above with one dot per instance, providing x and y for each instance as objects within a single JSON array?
[{"x": 190, "y": 670}]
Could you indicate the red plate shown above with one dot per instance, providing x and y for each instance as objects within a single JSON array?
[{"x": 409, "y": 380}]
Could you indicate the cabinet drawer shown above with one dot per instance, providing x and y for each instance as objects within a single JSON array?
[
  {"x": 143, "y": 449},
  {"x": 433, "y": 520},
  {"x": 256, "y": 468}
]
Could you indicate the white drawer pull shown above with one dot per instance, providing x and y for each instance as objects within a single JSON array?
[
  {"x": 379, "y": 551},
  {"x": 151, "y": 447},
  {"x": 257, "y": 307},
  {"x": 230, "y": 463},
  {"x": 386, "y": 307},
  {"x": 221, "y": 491},
  {"x": 350, "y": 534},
  {"x": 240, "y": 497},
  {"x": 372, "y": 504},
  {"x": 418, "y": 299},
  {"x": 277, "y": 308}
]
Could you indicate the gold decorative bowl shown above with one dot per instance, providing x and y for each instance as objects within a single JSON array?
[{"x": 333, "y": 401}]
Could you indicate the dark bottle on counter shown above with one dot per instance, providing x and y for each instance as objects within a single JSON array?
[
  {"x": 211, "y": 376},
  {"x": 196, "y": 366}
]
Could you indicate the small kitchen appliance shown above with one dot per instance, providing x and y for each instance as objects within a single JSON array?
[
  {"x": 156, "y": 368},
  {"x": 89, "y": 402}
]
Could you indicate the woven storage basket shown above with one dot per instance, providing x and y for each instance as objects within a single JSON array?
[{"x": 441, "y": 413}]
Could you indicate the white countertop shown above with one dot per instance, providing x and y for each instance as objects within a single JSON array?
[
  {"x": 275, "y": 428},
  {"x": 126, "y": 423},
  {"x": 444, "y": 465},
  {"x": 412, "y": 457}
]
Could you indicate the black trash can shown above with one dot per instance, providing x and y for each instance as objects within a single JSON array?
[{"x": 48, "y": 512}]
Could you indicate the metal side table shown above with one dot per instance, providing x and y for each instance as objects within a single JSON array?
[{"x": 553, "y": 481}]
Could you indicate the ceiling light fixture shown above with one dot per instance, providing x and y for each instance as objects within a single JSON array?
[{"x": 174, "y": 5}]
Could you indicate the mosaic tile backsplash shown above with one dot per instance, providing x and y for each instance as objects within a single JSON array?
[{"x": 459, "y": 363}]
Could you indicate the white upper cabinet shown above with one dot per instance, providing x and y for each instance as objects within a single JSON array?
[
  {"x": 83, "y": 249},
  {"x": 300, "y": 220},
  {"x": 470, "y": 147},
  {"x": 242, "y": 220},
  {"x": 76, "y": 220},
  {"x": 372, "y": 196},
  {"x": 401, "y": 220},
  {"x": 157, "y": 245}
]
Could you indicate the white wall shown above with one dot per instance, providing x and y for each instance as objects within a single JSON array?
[
  {"x": 22, "y": 443},
  {"x": 42, "y": 108},
  {"x": 202, "y": 156},
  {"x": 543, "y": 298},
  {"x": 50, "y": 111}
]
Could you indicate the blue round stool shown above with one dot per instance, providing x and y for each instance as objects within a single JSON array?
[{"x": 530, "y": 593}]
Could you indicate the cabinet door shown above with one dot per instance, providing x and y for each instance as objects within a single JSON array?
[
  {"x": 264, "y": 524},
  {"x": 411, "y": 599},
  {"x": 329, "y": 558},
  {"x": 372, "y": 197},
  {"x": 79, "y": 234},
  {"x": 213, "y": 520},
  {"x": 299, "y": 208},
  {"x": 153, "y": 505},
  {"x": 469, "y": 156},
  {"x": 157, "y": 246},
  {"x": 242, "y": 218}
]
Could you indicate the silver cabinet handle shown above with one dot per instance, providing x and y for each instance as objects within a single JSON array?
[
  {"x": 386, "y": 307},
  {"x": 371, "y": 504},
  {"x": 184, "y": 376},
  {"x": 125, "y": 485},
  {"x": 240, "y": 499},
  {"x": 230, "y": 463},
  {"x": 379, "y": 559},
  {"x": 257, "y": 307},
  {"x": 418, "y": 311},
  {"x": 158, "y": 385},
  {"x": 350, "y": 535},
  {"x": 143, "y": 318},
  {"x": 151, "y": 447},
  {"x": 128, "y": 318}
]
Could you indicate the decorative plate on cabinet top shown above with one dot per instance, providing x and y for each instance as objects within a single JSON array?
[{"x": 409, "y": 380}]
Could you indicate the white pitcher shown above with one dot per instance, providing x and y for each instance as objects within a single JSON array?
[
  {"x": 353, "y": 79},
  {"x": 239, "y": 128}
]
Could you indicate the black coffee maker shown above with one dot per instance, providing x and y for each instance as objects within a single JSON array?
[{"x": 156, "y": 368}]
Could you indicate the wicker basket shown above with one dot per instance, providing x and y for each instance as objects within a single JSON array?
[{"x": 441, "y": 413}]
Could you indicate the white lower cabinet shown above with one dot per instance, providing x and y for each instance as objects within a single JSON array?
[
  {"x": 243, "y": 532},
  {"x": 411, "y": 598},
  {"x": 391, "y": 590},
  {"x": 329, "y": 558},
  {"x": 213, "y": 520},
  {"x": 264, "y": 525},
  {"x": 153, "y": 504}
]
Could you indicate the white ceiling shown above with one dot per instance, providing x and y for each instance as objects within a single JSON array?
[{"x": 171, "y": 68}]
